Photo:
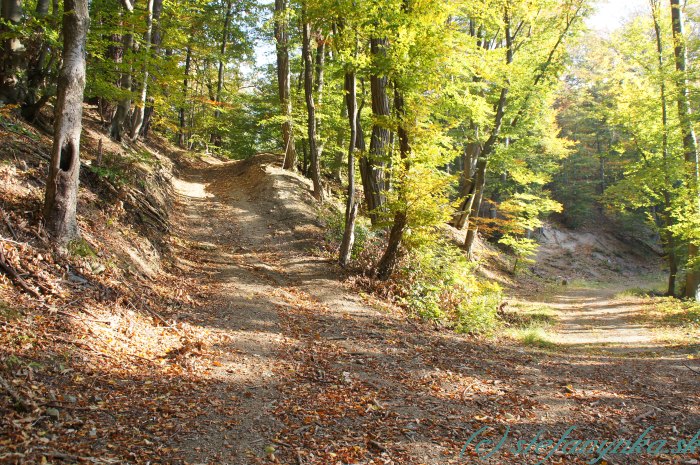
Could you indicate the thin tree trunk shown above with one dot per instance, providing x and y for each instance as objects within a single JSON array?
[
  {"x": 489, "y": 146},
  {"x": 140, "y": 108},
  {"x": 311, "y": 110},
  {"x": 351, "y": 206},
  {"x": 386, "y": 265},
  {"x": 669, "y": 241},
  {"x": 690, "y": 146},
  {"x": 62, "y": 184},
  {"x": 284, "y": 84},
  {"x": 156, "y": 40},
  {"x": 475, "y": 204},
  {"x": 471, "y": 155},
  {"x": 320, "y": 64},
  {"x": 11, "y": 86},
  {"x": 340, "y": 141},
  {"x": 124, "y": 105},
  {"x": 216, "y": 137},
  {"x": 182, "y": 136}
]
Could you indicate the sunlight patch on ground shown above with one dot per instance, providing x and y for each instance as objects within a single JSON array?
[{"x": 191, "y": 189}]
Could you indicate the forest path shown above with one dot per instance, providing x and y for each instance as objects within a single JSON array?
[
  {"x": 315, "y": 374},
  {"x": 600, "y": 317}
]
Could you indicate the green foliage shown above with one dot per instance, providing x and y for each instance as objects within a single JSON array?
[
  {"x": 80, "y": 248},
  {"x": 535, "y": 336},
  {"x": 522, "y": 248},
  {"x": 334, "y": 220},
  {"x": 438, "y": 283}
]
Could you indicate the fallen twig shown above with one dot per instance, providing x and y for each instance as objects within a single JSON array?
[
  {"x": 7, "y": 223},
  {"x": 691, "y": 369},
  {"x": 15, "y": 277},
  {"x": 26, "y": 405}
]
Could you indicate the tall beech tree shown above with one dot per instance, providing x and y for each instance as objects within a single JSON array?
[
  {"x": 284, "y": 82},
  {"x": 372, "y": 165},
  {"x": 690, "y": 144},
  {"x": 62, "y": 184},
  {"x": 311, "y": 121}
]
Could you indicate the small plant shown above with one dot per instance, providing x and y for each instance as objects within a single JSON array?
[
  {"x": 536, "y": 336},
  {"x": 80, "y": 248},
  {"x": 335, "y": 226},
  {"x": 522, "y": 248},
  {"x": 112, "y": 174}
]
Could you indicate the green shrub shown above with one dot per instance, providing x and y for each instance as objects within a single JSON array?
[
  {"x": 334, "y": 220},
  {"x": 438, "y": 282}
]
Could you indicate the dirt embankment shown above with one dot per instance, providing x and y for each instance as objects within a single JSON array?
[{"x": 596, "y": 255}]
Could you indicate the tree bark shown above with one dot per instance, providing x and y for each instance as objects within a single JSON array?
[
  {"x": 475, "y": 204},
  {"x": 669, "y": 242},
  {"x": 386, "y": 265},
  {"x": 351, "y": 206},
  {"x": 124, "y": 105},
  {"x": 470, "y": 157},
  {"x": 62, "y": 185},
  {"x": 11, "y": 86},
  {"x": 284, "y": 83},
  {"x": 182, "y": 133},
  {"x": 139, "y": 110},
  {"x": 489, "y": 146},
  {"x": 319, "y": 81},
  {"x": 372, "y": 166},
  {"x": 156, "y": 40},
  {"x": 311, "y": 110},
  {"x": 216, "y": 136},
  {"x": 690, "y": 145}
]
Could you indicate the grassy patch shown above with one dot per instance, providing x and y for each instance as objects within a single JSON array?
[
  {"x": 526, "y": 314},
  {"x": 673, "y": 321},
  {"x": 529, "y": 323},
  {"x": 533, "y": 336}
]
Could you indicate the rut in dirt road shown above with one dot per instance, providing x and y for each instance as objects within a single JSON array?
[{"x": 317, "y": 374}]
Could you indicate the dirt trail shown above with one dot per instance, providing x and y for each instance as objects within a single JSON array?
[
  {"x": 315, "y": 374},
  {"x": 598, "y": 317}
]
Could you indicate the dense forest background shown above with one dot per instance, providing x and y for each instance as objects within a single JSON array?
[{"x": 488, "y": 117}]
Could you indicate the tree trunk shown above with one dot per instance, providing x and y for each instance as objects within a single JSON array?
[
  {"x": 140, "y": 108},
  {"x": 475, "y": 204},
  {"x": 489, "y": 146},
  {"x": 156, "y": 39},
  {"x": 386, "y": 265},
  {"x": 471, "y": 155},
  {"x": 182, "y": 134},
  {"x": 124, "y": 105},
  {"x": 690, "y": 146},
  {"x": 11, "y": 86},
  {"x": 311, "y": 110},
  {"x": 351, "y": 206},
  {"x": 320, "y": 64},
  {"x": 372, "y": 166},
  {"x": 340, "y": 141},
  {"x": 668, "y": 221},
  {"x": 62, "y": 184},
  {"x": 216, "y": 136},
  {"x": 284, "y": 84}
]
